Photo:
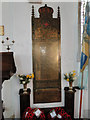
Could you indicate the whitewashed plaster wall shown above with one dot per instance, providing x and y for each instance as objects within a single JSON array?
[
  {"x": 17, "y": 22},
  {"x": 0, "y": 22},
  {"x": 0, "y": 59}
]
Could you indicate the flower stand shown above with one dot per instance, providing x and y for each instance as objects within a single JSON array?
[
  {"x": 69, "y": 101},
  {"x": 24, "y": 100}
]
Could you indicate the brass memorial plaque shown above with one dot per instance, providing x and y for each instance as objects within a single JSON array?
[{"x": 46, "y": 42}]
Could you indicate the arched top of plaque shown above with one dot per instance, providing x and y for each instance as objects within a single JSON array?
[{"x": 45, "y": 11}]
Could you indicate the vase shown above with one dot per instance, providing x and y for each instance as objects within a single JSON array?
[
  {"x": 24, "y": 88},
  {"x": 70, "y": 86}
]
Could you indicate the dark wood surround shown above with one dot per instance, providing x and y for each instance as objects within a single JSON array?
[
  {"x": 7, "y": 65},
  {"x": 46, "y": 41},
  {"x": 7, "y": 69}
]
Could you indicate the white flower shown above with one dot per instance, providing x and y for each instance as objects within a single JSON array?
[
  {"x": 66, "y": 74},
  {"x": 71, "y": 72},
  {"x": 21, "y": 78},
  {"x": 23, "y": 82},
  {"x": 16, "y": 75}
]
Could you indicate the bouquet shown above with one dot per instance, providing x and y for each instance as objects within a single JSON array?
[
  {"x": 24, "y": 79},
  {"x": 70, "y": 77}
]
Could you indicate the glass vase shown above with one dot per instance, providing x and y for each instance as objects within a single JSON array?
[{"x": 70, "y": 86}]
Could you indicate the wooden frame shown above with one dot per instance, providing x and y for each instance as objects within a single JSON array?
[
  {"x": 46, "y": 35},
  {"x": 1, "y": 30}
]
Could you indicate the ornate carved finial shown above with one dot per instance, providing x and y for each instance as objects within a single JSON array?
[
  {"x": 32, "y": 10},
  {"x": 45, "y": 5},
  {"x": 58, "y": 12},
  {"x": 45, "y": 11}
]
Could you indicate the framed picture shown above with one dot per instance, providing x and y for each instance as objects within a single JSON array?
[{"x": 1, "y": 30}]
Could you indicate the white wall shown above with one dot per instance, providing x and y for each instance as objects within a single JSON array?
[
  {"x": 0, "y": 58},
  {"x": 17, "y": 22},
  {"x": 0, "y": 23}
]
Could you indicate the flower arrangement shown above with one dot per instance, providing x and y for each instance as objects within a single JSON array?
[
  {"x": 24, "y": 79},
  {"x": 70, "y": 77}
]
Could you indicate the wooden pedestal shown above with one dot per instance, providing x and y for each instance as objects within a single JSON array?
[
  {"x": 69, "y": 101},
  {"x": 24, "y": 100}
]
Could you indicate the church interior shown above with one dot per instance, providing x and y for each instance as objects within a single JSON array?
[{"x": 44, "y": 60}]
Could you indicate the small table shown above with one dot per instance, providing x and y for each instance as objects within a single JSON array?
[
  {"x": 24, "y": 100},
  {"x": 69, "y": 101}
]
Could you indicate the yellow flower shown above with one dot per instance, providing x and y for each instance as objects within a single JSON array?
[
  {"x": 32, "y": 75},
  {"x": 74, "y": 71},
  {"x": 74, "y": 74},
  {"x": 27, "y": 76},
  {"x": 66, "y": 74},
  {"x": 68, "y": 80}
]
